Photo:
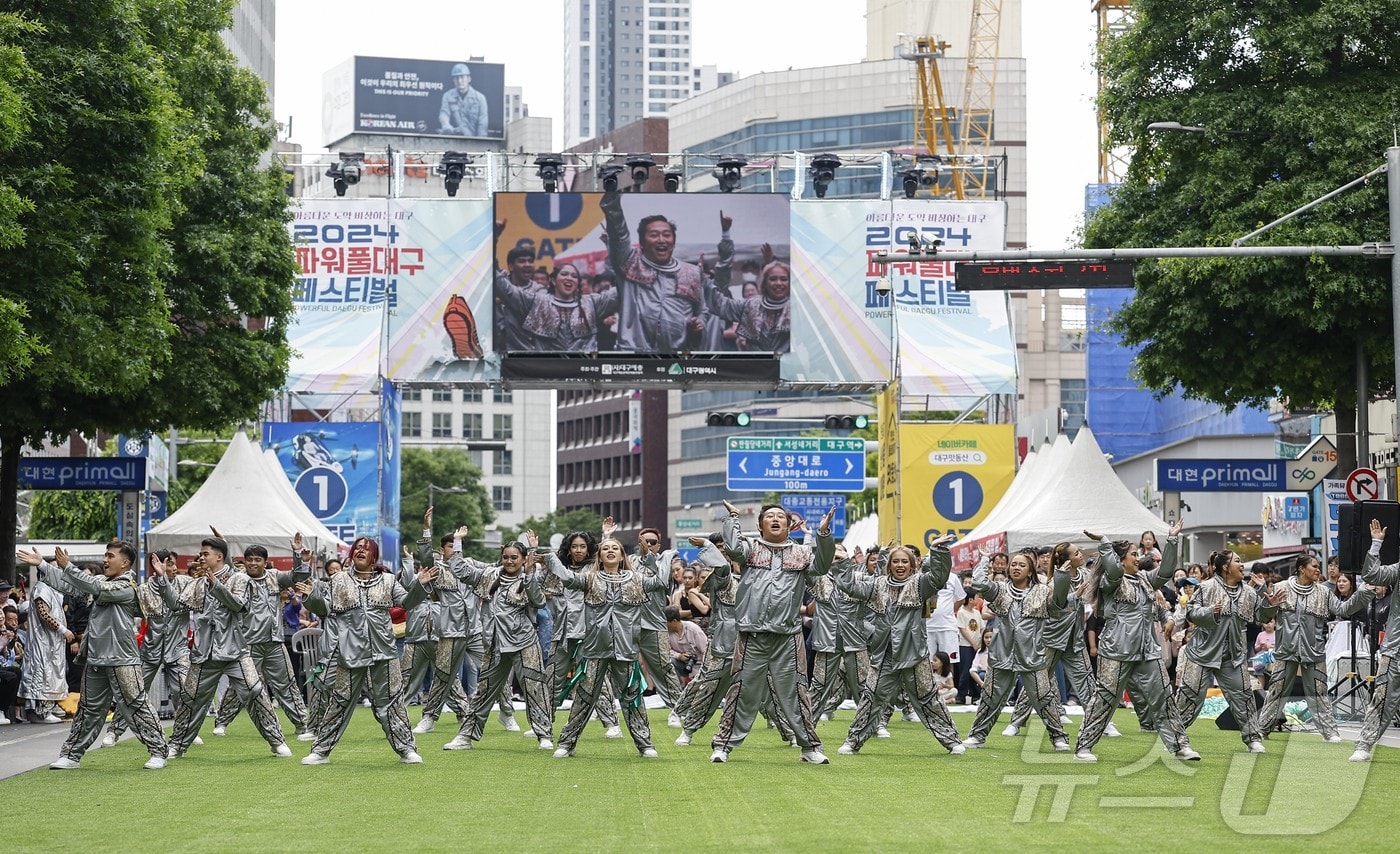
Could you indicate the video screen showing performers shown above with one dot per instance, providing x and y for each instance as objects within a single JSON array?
[{"x": 642, "y": 273}]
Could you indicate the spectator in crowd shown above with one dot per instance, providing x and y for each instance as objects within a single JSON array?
[
  {"x": 942, "y": 623},
  {"x": 1345, "y": 637},
  {"x": 689, "y": 601},
  {"x": 1147, "y": 547},
  {"x": 943, "y": 677},
  {"x": 688, "y": 644},
  {"x": 291, "y": 624},
  {"x": 979, "y": 662},
  {"x": 1334, "y": 569},
  {"x": 44, "y": 678},
  {"x": 971, "y": 623},
  {"x": 11, "y": 658}
]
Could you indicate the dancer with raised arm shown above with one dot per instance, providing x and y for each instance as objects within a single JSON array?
[
  {"x": 769, "y": 650},
  {"x": 1021, "y": 605},
  {"x": 842, "y": 661},
  {"x": 510, "y": 598},
  {"x": 1384, "y": 701},
  {"x": 366, "y": 657},
  {"x": 615, "y": 589},
  {"x": 1220, "y": 611},
  {"x": 164, "y": 648},
  {"x": 900, "y": 642},
  {"x": 1129, "y": 656},
  {"x": 217, "y": 598},
  {"x": 113, "y": 671},
  {"x": 1064, "y": 642},
  {"x": 578, "y": 550}
]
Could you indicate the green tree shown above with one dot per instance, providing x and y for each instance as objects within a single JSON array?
[
  {"x": 444, "y": 468},
  {"x": 73, "y": 514},
  {"x": 558, "y": 522},
  {"x": 154, "y": 230},
  {"x": 1296, "y": 99}
]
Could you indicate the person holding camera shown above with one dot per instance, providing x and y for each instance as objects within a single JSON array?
[{"x": 687, "y": 644}]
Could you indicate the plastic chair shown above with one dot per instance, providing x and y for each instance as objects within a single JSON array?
[{"x": 307, "y": 644}]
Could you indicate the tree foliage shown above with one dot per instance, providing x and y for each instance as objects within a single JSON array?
[
  {"x": 444, "y": 468},
  {"x": 149, "y": 260},
  {"x": 72, "y": 514},
  {"x": 1297, "y": 98}
]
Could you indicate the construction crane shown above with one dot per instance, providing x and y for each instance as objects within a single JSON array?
[
  {"x": 969, "y": 151},
  {"x": 1113, "y": 17}
]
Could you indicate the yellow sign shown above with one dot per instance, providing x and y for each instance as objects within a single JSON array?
[
  {"x": 887, "y": 491},
  {"x": 951, "y": 476}
]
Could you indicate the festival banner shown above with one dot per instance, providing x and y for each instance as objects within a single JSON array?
[
  {"x": 887, "y": 493},
  {"x": 954, "y": 346},
  {"x": 351, "y": 258},
  {"x": 334, "y": 468},
  {"x": 390, "y": 468},
  {"x": 439, "y": 327},
  {"x": 951, "y": 476}
]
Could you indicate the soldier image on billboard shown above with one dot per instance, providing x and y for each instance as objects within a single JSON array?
[{"x": 463, "y": 111}]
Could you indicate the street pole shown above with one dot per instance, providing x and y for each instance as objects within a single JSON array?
[{"x": 1392, "y": 183}]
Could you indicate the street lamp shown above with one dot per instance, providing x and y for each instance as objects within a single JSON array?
[{"x": 433, "y": 489}]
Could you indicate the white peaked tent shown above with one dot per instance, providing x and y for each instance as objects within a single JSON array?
[
  {"x": 1084, "y": 493},
  {"x": 864, "y": 532},
  {"x": 1023, "y": 488},
  {"x": 248, "y": 505}
]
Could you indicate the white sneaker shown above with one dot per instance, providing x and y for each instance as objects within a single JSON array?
[
  {"x": 816, "y": 757},
  {"x": 173, "y": 752},
  {"x": 366, "y": 703},
  {"x": 910, "y": 717},
  {"x": 460, "y": 743},
  {"x": 1256, "y": 747},
  {"x": 973, "y": 743},
  {"x": 51, "y": 718},
  {"x": 882, "y": 733},
  {"x": 1085, "y": 756},
  {"x": 282, "y": 750},
  {"x": 846, "y": 749},
  {"x": 613, "y": 731},
  {"x": 957, "y": 750},
  {"x": 720, "y": 755},
  {"x": 1011, "y": 730},
  {"x": 508, "y": 721},
  {"x": 1064, "y": 720},
  {"x": 1188, "y": 755},
  {"x": 546, "y": 744},
  {"x": 1334, "y": 738},
  {"x": 673, "y": 721},
  {"x": 1361, "y": 755},
  {"x": 683, "y": 740},
  {"x": 1060, "y": 746},
  {"x": 1111, "y": 731},
  {"x": 197, "y": 740},
  {"x": 63, "y": 763},
  {"x": 792, "y": 742},
  {"x": 426, "y": 725},
  {"x": 411, "y": 758},
  {"x": 155, "y": 763},
  {"x": 220, "y": 729},
  {"x": 315, "y": 758},
  {"x": 306, "y": 736},
  {"x": 107, "y": 740},
  {"x": 4, "y": 721},
  {"x": 825, "y": 716},
  {"x": 649, "y": 753},
  {"x": 563, "y": 753}
]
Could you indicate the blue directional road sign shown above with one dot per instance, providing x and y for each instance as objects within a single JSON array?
[
  {"x": 812, "y": 507},
  {"x": 797, "y": 464}
]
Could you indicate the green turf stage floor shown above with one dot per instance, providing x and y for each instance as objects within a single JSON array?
[{"x": 904, "y": 793}]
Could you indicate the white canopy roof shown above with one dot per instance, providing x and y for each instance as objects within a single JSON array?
[
  {"x": 248, "y": 505},
  {"x": 1084, "y": 494}
]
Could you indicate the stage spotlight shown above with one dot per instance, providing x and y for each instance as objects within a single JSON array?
[
  {"x": 549, "y": 167},
  {"x": 730, "y": 171},
  {"x": 641, "y": 165},
  {"x": 453, "y": 168},
  {"x": 346, "y": 173},
  {"x": 607, "y": 175},
  {"x": 672, "y": 180},
  {"x": 822, "y": 170}
]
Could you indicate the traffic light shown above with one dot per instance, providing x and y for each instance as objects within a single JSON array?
[
  {"x": 728, "y": 419},
  {"x": 847, "y": 422}
]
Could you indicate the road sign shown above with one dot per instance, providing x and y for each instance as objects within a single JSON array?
[
  {"x": 1363, "y": 485},
  {"x": 812, "y": 507},
  {"x": 1256, "y": 475},
  {"x": 689, "y": 524},
  {"x": 796, "y": 464}
]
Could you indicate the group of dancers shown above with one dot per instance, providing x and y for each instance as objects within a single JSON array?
[{"x": 608, "y": 621}]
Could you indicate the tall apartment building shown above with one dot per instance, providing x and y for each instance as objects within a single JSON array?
[
  {"x": 624, "y": 60},
  {"x": 519, "y": 479}
]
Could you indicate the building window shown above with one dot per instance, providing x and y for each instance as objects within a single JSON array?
[
  {"x": 412, "y": 425},
  {"x": 471, "y": 425},
  {"x": 501, "y": 499},
  {"x": 412, "y": 394},
  {"x": 442, "y": 425},
  {"x": 501, "y": 427},
  {"x": 501, "y": 395},
  {"x": 471, "y": 395},
  {"x": 504, "y": 463},
  {"x": 442, "y": 395}
]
